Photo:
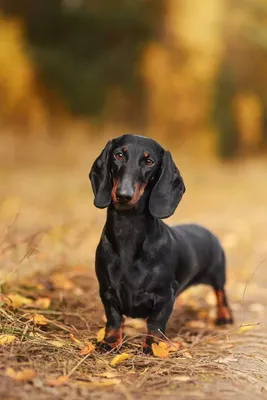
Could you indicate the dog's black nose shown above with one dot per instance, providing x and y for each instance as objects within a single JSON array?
[{"x": 124, "y": 196}]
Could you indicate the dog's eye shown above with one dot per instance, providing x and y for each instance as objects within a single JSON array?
[
  {"x": 149, "y": 162},
  {"x": 118, "y": 156}
]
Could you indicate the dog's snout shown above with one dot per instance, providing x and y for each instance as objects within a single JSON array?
[{"x": 124, "y": 195}]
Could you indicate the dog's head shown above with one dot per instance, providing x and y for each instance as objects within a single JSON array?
[{"x": 131, "y": 168}]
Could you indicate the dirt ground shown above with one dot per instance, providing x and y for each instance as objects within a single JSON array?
[{"x": 49, "y": 231}]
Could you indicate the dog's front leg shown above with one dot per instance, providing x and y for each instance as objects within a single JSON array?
[
  {"x": 156, "y": 324},
  {"x": 114, "y": 326}
]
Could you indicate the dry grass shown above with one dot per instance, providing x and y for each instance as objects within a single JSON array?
[{"x": 48, "y": 251}]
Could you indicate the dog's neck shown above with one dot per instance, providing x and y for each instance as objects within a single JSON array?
[{"x": 127, "y": 230}]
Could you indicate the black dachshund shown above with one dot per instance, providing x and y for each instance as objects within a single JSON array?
[{"x": 142, "y": 264}]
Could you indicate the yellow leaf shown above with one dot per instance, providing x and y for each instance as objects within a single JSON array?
[
  {"x": 39, "y": 319},
  {"x": 100, "y": 335},
  {"x": 24, "y": 375},
  {"x": 6, "y": 339},
  {"x": 43, "y": 303},
  {"x": 87, "y": 349},
  {"x": 17, "y": 300},
  {"x": 245, "y": 328},
  {"x": 60, "y": 381},
  {"x": 174, "y": 346},
  {"x": 119, "y": 359},
  {"x": 75, "y": 339},
  {"x": 161, "y": 349}
]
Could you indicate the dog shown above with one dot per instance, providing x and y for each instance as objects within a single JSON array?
[{"x": 142, "y": 264}]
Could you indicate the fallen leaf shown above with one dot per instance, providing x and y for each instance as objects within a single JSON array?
[
  {"x": 246, "y": 328},
  {"x": 174, "y": 346},
  {"x": 6, "y": 339},
  {"x": 119, "y": 359},
  {"x": 39, "y": 319},
  {"x": 18, "y": 301},
  {"x": 43, "y": 303},
  {"x": 87, "y": 349},
  {"x": 60, "y": 381},
  {"x": 100, "y": 335},
  {"x": 161, "y": 349},
  {"x": 182, "y": 378},
  {"x": 22, "y": 376},
  {"x": 75, "y": 339}
]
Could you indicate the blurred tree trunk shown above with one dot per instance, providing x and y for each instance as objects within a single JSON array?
[
  {"x": 242, "y": 71},
  {"x": 223, "y": 113}
]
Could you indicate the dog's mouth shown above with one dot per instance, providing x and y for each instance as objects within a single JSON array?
[{"x": 122, "y": 206}]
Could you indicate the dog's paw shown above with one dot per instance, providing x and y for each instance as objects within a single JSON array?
[
  {"x": 147, "y": 350},
  {"x": 103, "y": 347}
]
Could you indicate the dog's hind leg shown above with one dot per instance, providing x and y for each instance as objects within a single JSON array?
[
  {"x": 224, "y": 314},
  {"x": 217, "y": 280}
]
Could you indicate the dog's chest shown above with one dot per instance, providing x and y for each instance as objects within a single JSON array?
[{"x": 130, "y": 288}]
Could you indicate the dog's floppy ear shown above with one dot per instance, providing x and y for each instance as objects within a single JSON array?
[
  {"x": 168, "y": 190},
  {"x": 100, "y": 178}
]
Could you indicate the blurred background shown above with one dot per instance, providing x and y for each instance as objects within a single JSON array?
[
  {"x": 169, "y": 69},
  {"x": 75, "y": 73}
]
